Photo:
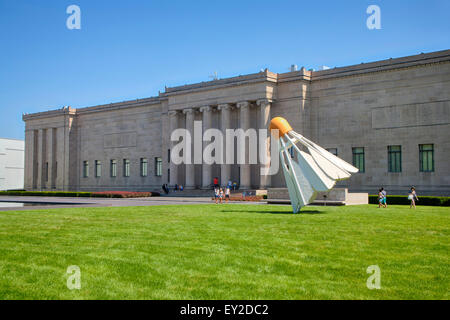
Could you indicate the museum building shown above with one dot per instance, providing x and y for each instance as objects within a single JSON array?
[{"x": 389, "y": 118}]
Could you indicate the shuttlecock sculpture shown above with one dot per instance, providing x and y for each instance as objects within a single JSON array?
[{"x": 308, "y": 168}]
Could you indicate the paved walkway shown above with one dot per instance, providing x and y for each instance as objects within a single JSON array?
[{"x": 37, "y": 203}]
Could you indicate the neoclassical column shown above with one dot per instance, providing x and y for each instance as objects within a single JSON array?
[
  {"x": 35, "y": 158},
  {"x": 42, "y": 156},
  {"x": 173, "y": 124},
  {"x": 225, "y": 116},
  {"x": 245, "y": 172},
  {"x": 263, "y": 123},
  {"x": 190, "y": 171},
  {"x": 51, "y": 144},
  {"x": 206, "y": 168}
]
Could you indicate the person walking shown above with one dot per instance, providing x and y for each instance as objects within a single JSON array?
[
  {"x": 216, "y": 182},
  {"x": 227, "y": 194},
  {"x": 221, "y": 195},
  {"x": 384, "y": 193},
  {"x": 380, "y": 198},
  {"x": 413, "y": 197},
  {"x": 216, "y": 194}
]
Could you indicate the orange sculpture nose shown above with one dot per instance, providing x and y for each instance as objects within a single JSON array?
[{"x": 281, "y": 124}]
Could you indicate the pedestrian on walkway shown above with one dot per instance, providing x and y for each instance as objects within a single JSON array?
[
  {"x": 227, "y": 194},
  {"x": 413, "y": 197}
]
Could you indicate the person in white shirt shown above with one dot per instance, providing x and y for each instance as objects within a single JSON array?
[
  {"x": 227, "y": 194},
  {"x": 221, "y": 195},
  {"x": 413, "y": 198},
  {"x": 216, "y": 194}
]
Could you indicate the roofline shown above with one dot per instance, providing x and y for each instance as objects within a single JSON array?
[
  {"x": 13, "y": 139},
  {"x": 384, "y": 65},
  {"x": 422, "y": 59}
]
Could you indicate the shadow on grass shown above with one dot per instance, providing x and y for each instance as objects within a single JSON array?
[{"x": 277, "y": 211}]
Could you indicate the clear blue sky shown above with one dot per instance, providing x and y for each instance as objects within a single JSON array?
[{"x": 131, "y": 49}]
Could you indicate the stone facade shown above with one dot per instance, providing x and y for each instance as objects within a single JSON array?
[{"x": 397, "y": 102}]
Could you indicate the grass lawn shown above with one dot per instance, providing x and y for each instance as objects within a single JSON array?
[{"x": 225, "y": 252}]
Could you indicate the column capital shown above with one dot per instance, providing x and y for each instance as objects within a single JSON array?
[
  {"x": 243, "y": 104},
  {"x": 172, "y": 113},
  {"x": 188, "y": 110},
  {"x": 263, "y": 102},
  {"x": 224, "y": 106},
  {"x": 205, "y": 109}
]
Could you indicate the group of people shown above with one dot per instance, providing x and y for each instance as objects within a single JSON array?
[
  {"x": 231, "y": 185},
  {"x": 220, "y": 194},
  {"x": 177, "y": 187},
  {"x": 382, "y": 198},
  {"x": 382, "y": 201}
]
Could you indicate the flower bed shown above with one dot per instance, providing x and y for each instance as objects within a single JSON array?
[
  {"x": 102, "y": 194},
  {"x": 241, "y": 198},
  {"x": 121, "y": 194}
]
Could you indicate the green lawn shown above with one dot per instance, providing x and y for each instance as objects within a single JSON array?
[{"x": 225, "y": 252}]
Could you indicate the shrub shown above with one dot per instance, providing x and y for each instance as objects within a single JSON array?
[
  {"x": 121, "y": 194},
  {"x": 423, "y": 200},
  {"x": 241, "y": 198},
  {"x": 46, "y": 193},
  {"x": 103, "y": 194}
]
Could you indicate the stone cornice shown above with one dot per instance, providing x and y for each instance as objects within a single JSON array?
[
  {"x": 99, "y": 108},
  {"x": 265, "y": 76},
  {"x": 415, "y": 61},
  {"x": 48, "y": 114}
]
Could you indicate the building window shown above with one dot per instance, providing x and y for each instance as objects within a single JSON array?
[
  {"x": 168, "y": 155},
  {"x": 98, "y": 168},
  {"x": 144, "y": 167},
  {"x": 358, "y": 159},
  {"x": 426, "y": 157},
  {"x": 85, "y": 169},
  {"x": 395, "y": 158},
  {"x": 126, "y": 168},
  {"x": 158, "y": 167},
  {"x": 333, "y": 151},
  {"x": 168, "y": 175},
  {"x": 113, "y": 168},
  {"x": 46, "y": 172}
]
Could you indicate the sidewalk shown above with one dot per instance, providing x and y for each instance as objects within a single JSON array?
[{"x": 66, "y": 202}]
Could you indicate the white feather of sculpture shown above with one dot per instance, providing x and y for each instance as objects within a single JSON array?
[{"x": 309, "y": 172}]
